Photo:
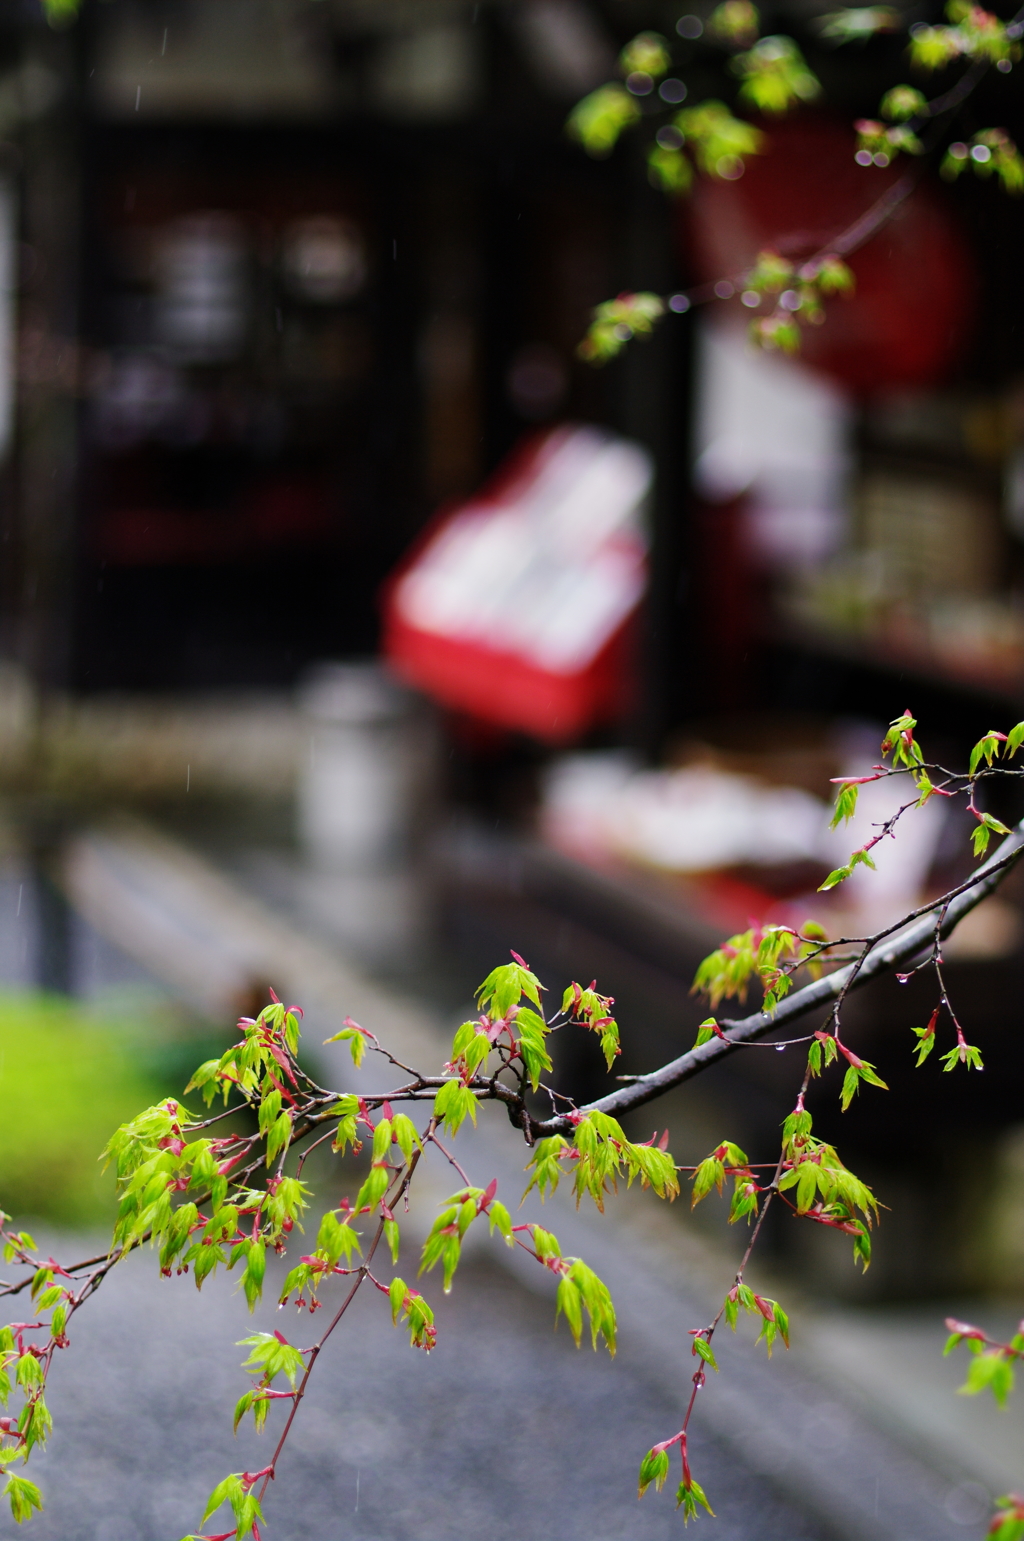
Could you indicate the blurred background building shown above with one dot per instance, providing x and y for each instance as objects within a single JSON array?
[
  {"x": 291, "y": 296},
  {"x": 328, "y": 561}
]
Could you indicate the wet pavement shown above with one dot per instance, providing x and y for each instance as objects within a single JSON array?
[{"x": 504, "y": 1431}]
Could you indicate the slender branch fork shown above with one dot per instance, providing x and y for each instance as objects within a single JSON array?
[{"x": 362, "y": 1274}]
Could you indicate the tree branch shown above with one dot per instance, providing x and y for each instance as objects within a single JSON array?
[{"x": 881, "y": 956}]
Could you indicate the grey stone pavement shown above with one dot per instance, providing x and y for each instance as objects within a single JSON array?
[{"x": 505, "y": 1430}]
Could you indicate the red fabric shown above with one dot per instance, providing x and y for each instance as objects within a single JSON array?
[
  {"x": 505, "y": 690},
  {"x": 502, "y": 689}
]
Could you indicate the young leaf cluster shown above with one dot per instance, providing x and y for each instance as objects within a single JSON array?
[
  {"x": 991, "y": 1364},
  {"x": 336, "y": 1244},
  {"x": 714, "y": 141},
  {"x": 409, "y": 1306},
  {"x": 654, "y": 1468},
  {"x": 727, "y": 1160},
  {"x": 827, "y": 1046},
  {"x": 823, "y": 1188},
  {"x": 600, "y": 1154},
  {"x": 774, "y": 1320},
  {"x": 771, "y": 953},
  {"x": 444, "y": 1242},
  {"x": 775, "y": 76},
  {"x": 508, "y": 1023},
  {"x": 156, "y": 1167},
  {"x": 269, "y": 1040},
  {"x": 588, "y": 1009},
  {"x": 802, "y": 290},
  {"x": 236, "y": 1491},
  {"x": 972, "y": 33},
  {"x": 579, "y": 1289},
  {"x": 616, "y": 322}
]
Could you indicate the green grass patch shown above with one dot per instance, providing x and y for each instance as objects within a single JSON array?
[{"x": 69, "y": 1075}]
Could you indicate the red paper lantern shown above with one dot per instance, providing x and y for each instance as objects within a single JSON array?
[{"x": 910, "y": 316}]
